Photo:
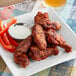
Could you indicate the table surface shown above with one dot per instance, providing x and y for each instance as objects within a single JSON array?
[{"x": 64, "y": 69}]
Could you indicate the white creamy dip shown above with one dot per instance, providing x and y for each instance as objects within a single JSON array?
[{"x": 19, "y": 31}]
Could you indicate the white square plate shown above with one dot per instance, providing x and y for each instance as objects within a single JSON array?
[{"x": 36, "y": 66}]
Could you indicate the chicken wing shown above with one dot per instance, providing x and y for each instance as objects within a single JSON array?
[
  {"x": 37, "y": 54},
  {"x": 24, "y": 45},
  {"x": 43, "y": 20},
  {"x": 20, "y": 52},
  {"x": 39, "y": 36},
  {"x": 58, "y": 40},
  {"x": 22, "y": 60}
]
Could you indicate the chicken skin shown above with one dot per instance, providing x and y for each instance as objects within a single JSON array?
[
  {"x": 20, "y": 52},
  {"x": 43, "y": 20},
  {"x": 57, "y": 40},
  {"x": 39, "y": 36},
  {"x": 37, "y": 54},
  {"x": 24, "y": 45},
  {"x": 21, "y": 60}
]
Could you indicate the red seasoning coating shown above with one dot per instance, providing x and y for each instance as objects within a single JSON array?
[
  {"x": 20, "y": 52},
  {"x": 37, "y": 54},
  {"x": 57, "y": 40},
  {"x": 24, "y": 45},
  {"x": 43, "y": 20},
  {"x": 22, "y": 60},
  {"x": 39, "y": 36}
]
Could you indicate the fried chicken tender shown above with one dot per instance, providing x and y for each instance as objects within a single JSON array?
[
  {"x": 57, "y": 40},
  {"x": 37, "y": 54},
  {"x": 39, "y": 36}
]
